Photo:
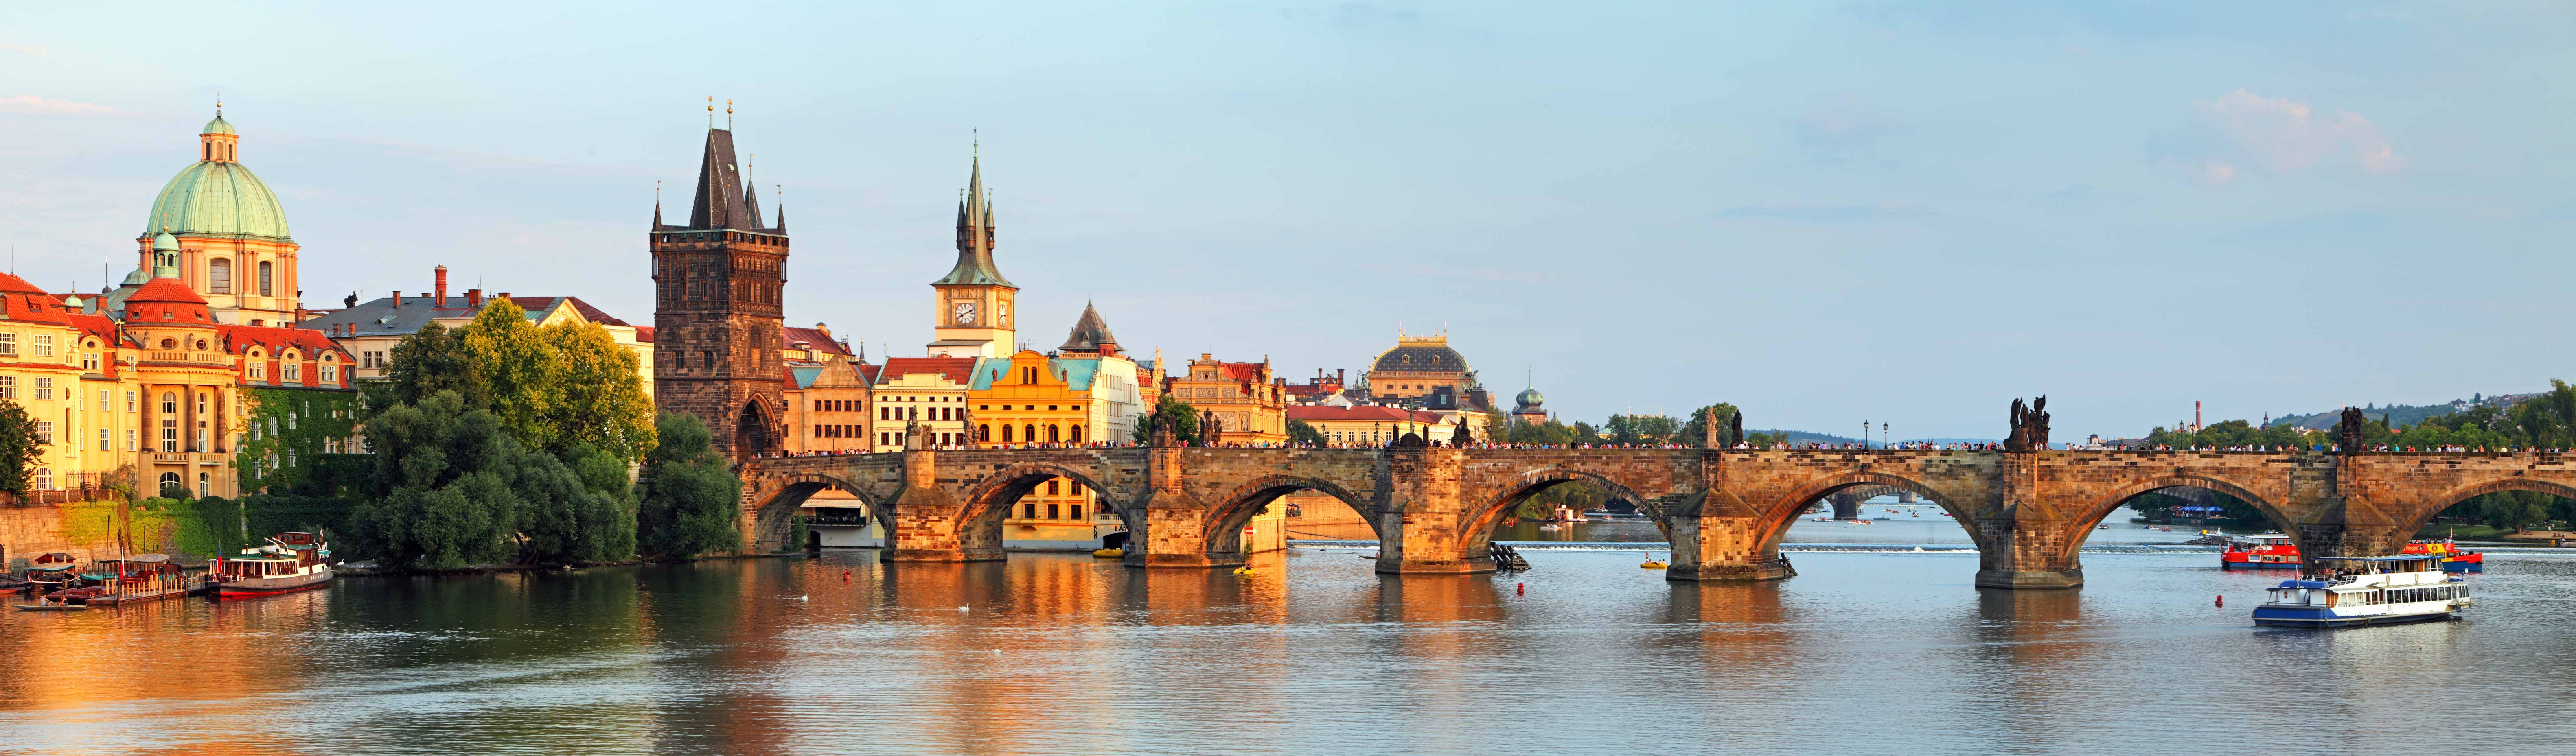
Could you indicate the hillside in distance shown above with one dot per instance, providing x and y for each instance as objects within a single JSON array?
[{"x": 2401, "y": 414}]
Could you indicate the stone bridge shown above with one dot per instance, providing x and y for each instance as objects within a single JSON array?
[{"x": 1434, "y": 508}]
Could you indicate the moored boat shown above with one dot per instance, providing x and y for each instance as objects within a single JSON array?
[
  {"x": 290, "y": 562},
  {"x": 2357, "y": 591},
  {"x": 2275, "y": 551}
]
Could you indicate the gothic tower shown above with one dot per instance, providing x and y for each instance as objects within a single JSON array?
[
  {"x": 972, "y": 306},
  {"x": 717, "y": 307}
]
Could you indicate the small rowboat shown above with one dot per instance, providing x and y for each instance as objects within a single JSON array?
[{"x": 42, "y": 606}]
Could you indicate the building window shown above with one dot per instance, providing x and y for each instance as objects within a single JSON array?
[
  {"x": 294, "y": 371},
  {"x": 1077, "y": 434},
  {"x": 44, "y": 479},
  {"x": 219, "y": 276},
  {"x": 1006, "y": 433},
  {"x": 89, "y": 361},
  {"x": 44, "y": 345},
  {"x": 265, "y": 279},
  {"x": 169, "y": 436},
  {"x": 169, "y": 403},
  {"x": 1029, "y": 432},
  {"x": 984, "y": 433},
  {"x": 129, "y": 439},
  {"x": 371, "y": 360},
  {"x": 330, "y": 373},
  {"x": 201, "y": 403},
  {"x": 45, "y": 432},
  {"x": 206, "y": 481},
  {"x": 8, "y": 344},
  {"x": 129, "y": 401},
  {"x": 103, "y": 440},
  {"x": 8, "y": 387},
  {"x": 44, "y": 388},
  {"x": 258, "y": 368}
]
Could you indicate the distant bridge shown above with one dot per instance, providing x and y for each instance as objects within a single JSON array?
[{"x": 1724, "y": 510}]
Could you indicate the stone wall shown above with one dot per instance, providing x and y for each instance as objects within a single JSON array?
[{"x": 29, "y": 531}]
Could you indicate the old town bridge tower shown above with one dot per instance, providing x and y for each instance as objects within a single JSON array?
[{"x": 717, "y": 285}]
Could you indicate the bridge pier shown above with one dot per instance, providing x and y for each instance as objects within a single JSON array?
[
  {"x": 929, "y": 522},
  {"x": 1422, "y": 522},
  {"x": 1710, "y": 548},
  {"x": 1846, "y": 506}
]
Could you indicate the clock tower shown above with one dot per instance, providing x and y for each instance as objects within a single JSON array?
[{"x": 972, "y": 308}]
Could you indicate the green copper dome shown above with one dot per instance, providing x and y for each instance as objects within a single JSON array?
[
  {"x": 217, "y": 198},
  {"x": 218, "y": 126}
]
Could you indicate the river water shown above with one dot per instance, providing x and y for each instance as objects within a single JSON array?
[{"x": 1873, "y": 648}]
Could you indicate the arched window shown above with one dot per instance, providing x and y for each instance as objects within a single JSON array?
[
  {"x": 201, "y": 402},
  {"x": 1077, "y": 434},
  {"x": 169, "y": 403},
  {"x": 1029, "y": 432},
  {"x": 984, "y": 433},
  {"x": 1052, "y": 432},
  {"x": 169, "y": 343},
  {"x": 219, "y": 276},
  {"x": 168, "y": 479},
  {"x": 1006, "y": 434},
  {"x": 266, "y": 279}
]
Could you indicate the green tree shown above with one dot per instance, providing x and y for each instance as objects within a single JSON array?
[
  {"x": 578, "y": 509},
  {"x": 441, "y": 494},
  {"x": 1642, "y": 429},
  {"x": 688, "y": 499},
  {"x": 1179, "y": 415},
  {"x": 601, "y": 401},
  {"x": 554, "y": 388},
  {"x": 19, "y": 448},
  {"x": 1299, "y": 432}
]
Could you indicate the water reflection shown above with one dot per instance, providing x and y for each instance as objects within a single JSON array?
[{"x": 1311, "y": 652}]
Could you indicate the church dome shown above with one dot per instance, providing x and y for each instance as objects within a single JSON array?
[
  {"x": 1419, "y": 357},
  {"x": 1530, "y": 399},
  {"x": 218, "y": 126},
  {"x": 217, "y": 198}
]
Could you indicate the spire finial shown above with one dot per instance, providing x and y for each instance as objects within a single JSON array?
[
  {"x": 219, "y": 104},
  {"x": 728, "y": 115},
  {"x": 711, "y": 111},
  {"x": 975, "y": 143}
]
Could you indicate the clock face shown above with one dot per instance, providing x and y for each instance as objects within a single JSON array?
[
  {"x": 965, "y": 312},
  {"x": 1006, "y": 314}
]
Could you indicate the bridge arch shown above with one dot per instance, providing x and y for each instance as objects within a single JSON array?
[
  {"x": 2101, "y": 507},
  {"x": 1776, "y": 518},
  {"x": 2415, "y": 521},
  {"x": 988, "y": 503},
  {"x": 1225, "y": 521},
  {"x": 775, "y": 505},
  {"x": 1476, "y": 524}
]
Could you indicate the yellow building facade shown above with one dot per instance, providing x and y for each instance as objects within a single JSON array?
[{"x": 1249, "y": 404}]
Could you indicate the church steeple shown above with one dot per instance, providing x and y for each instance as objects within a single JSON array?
[
  {"x": 974, "y": 236},
  {"x": 721, "y": 200}
]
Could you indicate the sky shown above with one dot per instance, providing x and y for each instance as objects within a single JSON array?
[{"x": 1823, "y": 213}]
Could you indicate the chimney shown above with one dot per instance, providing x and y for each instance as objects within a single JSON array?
[
  {"x": 500, "y": 296},
  {"x": 823, "y": 329},
  {"x": 397, "y": 299},
  {"x": 2195, "y": 415},
  {"x": 441, "y": 289},
  {"x": 473, "y": 297}
]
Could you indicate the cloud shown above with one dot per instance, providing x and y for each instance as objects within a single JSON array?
[
  {"x": 2284, "y": 135},
  {"x": 49, "y": 106},
  {"x": 35, "y": 50}
]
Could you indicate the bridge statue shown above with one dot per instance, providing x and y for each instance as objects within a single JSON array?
[
  {"x": 2348, "y": 433},
  {"x": 2029, "y": 426},
  {"x": 1463, "y": 437},
  {"x": 1209, "y": 426},
  {"x": 1738, "y": 429}
]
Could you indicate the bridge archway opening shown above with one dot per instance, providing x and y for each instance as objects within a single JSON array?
[
  {"x": 2224, "y": 498},
  {"x": 1041, "y": 506},
  {"x": 1226, "y": 523},
  {"x": 1866, "y": 486},
  {"x": 1541, "y": 492},
  {"x": 772, "y": 517},
  {"x": 2505, "y": 485}
]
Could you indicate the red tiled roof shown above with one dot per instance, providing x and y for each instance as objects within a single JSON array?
[
  {"x": 161, "y": 290},
  {"x": 1359, "y": 414},
  {"x": 644, "y": 334},
  {"x": 959, "y": 370},
  {"x": 240, "y": 338},
  {"x": 30, "y": 308},
  {"x": 1241, "y": 371},
  {"x": 869, "y": 372},
  {"x": 95, "y": 325},
  {"x": 11, "y": 284},
  {"x": 822, "y": 341}
]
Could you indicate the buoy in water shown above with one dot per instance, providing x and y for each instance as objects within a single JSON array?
[
  {"x": 1520, "y": 589},
  {"x": 2222, "y": 601},
  {"x": 845, "y": 577}
]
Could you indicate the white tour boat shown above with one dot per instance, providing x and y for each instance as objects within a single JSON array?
[
  {"x": 290, "y": 562},
  {"x": 2367, "y": 591}
]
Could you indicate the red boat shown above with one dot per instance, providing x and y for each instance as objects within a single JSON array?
[{"x": 2273, "y": 551}]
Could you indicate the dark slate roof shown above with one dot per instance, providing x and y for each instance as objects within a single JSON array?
[
  {"x": 381, "y": 318},
  {"x": 974, "y": 238},
  {"x": 1088, "y": 333},
  {"x": 1421, "y": 358}
]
